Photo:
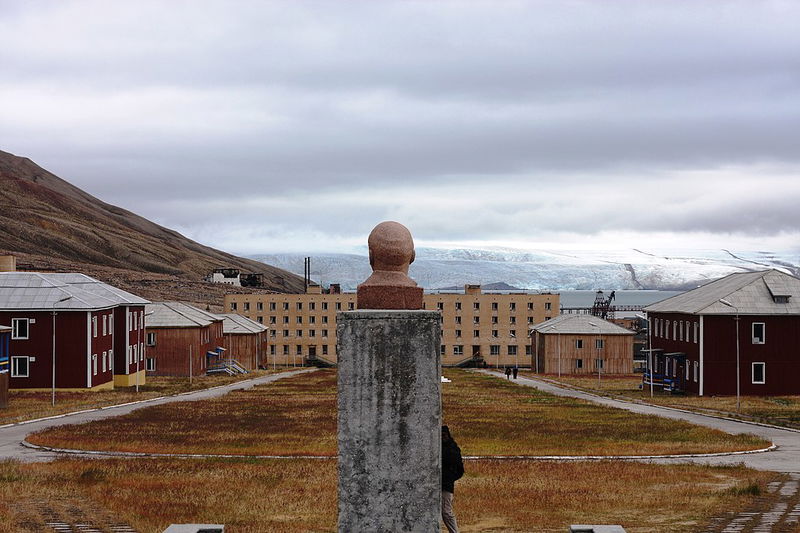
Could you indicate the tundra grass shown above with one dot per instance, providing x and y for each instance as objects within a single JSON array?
[
  {"x": 779, "y": 410},
  {"x": 29, "y": 405},
  {"x": 297, "y": 416},
  {"x": 299, "y": 495}
]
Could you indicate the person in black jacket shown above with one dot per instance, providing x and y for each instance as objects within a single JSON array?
[{"x": 452, "y": 470}]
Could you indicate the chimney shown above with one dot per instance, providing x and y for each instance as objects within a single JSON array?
[{"x": 8, "y": 263}]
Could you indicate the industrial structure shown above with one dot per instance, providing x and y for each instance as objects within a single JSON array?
[
  {"x": 477, "y": 327},
  {"x": 736, "y": 335}
]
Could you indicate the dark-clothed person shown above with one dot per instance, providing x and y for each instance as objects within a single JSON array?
[
  {"x": 515, "y": 372},
  {"x": 452, "y": 470}
]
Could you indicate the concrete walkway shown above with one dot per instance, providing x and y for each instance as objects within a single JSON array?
[
  {"x": 785, "y": 458},
  {"x": 12, "y": 435}
]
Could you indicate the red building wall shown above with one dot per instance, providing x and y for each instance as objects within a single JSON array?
[
  {"x": 672, "y": 342},
  {"x": 171, "y": 349},
  {"x": 128, "y": 331}
]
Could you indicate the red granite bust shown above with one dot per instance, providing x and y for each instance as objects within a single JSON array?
[{"x": 391, "y": 251}]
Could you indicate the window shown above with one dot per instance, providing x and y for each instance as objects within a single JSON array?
[
  {"x": 150, "y": 364},
  {"x": 512, "y": 349},
  {"x": 272, "y": 306},
  {"x": 312, "y": 320},
  {"x": 259, "y": 306},
  {"x": 272, "y": 333},
  {"x": 696, "y": 332},
  {"x": 494, "y": 306},
  {"x": 476, "y": 333},
  {"x": 338, "y": 306},
  {"x": 759, "y": 373},
  {"x": 547, "y": 306},
  {"x": 440, "y": 307},
  {"x": 299, "y": 332},
  {"x": 512, "y": 320},
  {"x": 598, "y": 363},
  {"x": 599, "y": 343},
  {"x": 246, "y": 306},
  {"x": 312, "y": 306},
  {"x": 285, "y": 306},
  {"x": 494, "y": 333},
  {"x": 528, "y": 350},
  {"x": 94, "y": 364},
  {"x": 530, "y": 320},
  {"x": 530, "y": 306},
  {"x": 578, "y": 363},
  {"x": 19, "y": 366},
  {"x": 151, "y": 338},
  {"x": 299, "y": 306},
  {"x": 351, "y": 306},
  {"x": 324, "y": 332},
  {"x": 286, "y": 333},
  {"x": 273, "y": 319},
  {"x": 324, "y": 349},
  {"x": 494, "y": 349},
  {"x": 299, "y": 349},
  {"x": 286, "y": 320},
  {"x": 20, "y": 330},
  {"x": 476, "y": 320},
  {"x": 325, "y": 319},
  {"x": 494, "y": 320},
  {"x": 299, "y": 320},
  {"x": 458, "y": 333},
  {"x": 324, "y": 308},
  {"x": 442, "y": 349},
  {"x": 233, "y": 306},
  {"x": 696, "y": 368},
  {"x": 458, "y": 349},
  {"x": 458, "y": 320},
  {"x": 680, "y": 330},
  {"x": 458, "y": 306},
  {"x": 513, "y": 333},
  {"x": 105, "y": 354},
  {"x": 512, "y": 306},
  {"x": 675, "y": 330},
  {"x": 579, "y": 343},
  {"x": 285, "y": 349},
  {"x": 759, "y": 333},
  {"x": 260, "y": 319},
  {"x": 272, "y": 349},
  {"x": 94, "y": 325},
  {"x": 105, "y": 325},
  {"x": 476, "y": 306}
]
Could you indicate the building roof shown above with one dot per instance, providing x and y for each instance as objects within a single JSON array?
[
  {"x": 60, "y": 292},
  {"x": 237, "y": 324},
  {"x": 579, "y": 325},
  {"x": 766, "y": 292},
  {"x": 177, "y": 315}
]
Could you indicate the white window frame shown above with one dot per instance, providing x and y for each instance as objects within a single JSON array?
[
  {"x": 458, "y": 349},
  {"x": 150, "y": 339},
  {"x": 763, "y": 339},
  {"x": 94, "y": 364},
  {"x": 15, "y": 322},
  {"x": 150, "y": 364},
  {"x": 578, "y": 363},
  {"x": 696, "y": 371},
  {"x": 94, "y": 327},
  {"x": 15, "y": 369},
  {"x": 763, "y": 373},
  {"x": 579, "y": 344},
  {"x": 105, "y": 355},
  {"x": 599, "y": 344},
  {"x": 599, "y": 363},
  {"x": 105, "y": 325}
]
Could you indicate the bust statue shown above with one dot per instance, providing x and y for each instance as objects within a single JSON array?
[{"x": 391, "y": 251}]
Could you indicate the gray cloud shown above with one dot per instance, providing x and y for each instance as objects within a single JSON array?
[{"x": 470, "y": 120}]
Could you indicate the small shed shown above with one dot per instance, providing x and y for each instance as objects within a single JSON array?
[{"x": 245, "y": 340}]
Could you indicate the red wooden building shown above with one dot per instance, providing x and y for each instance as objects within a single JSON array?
[
  {"x": 181, "y": 339},
  {"x": 245, "y": 340},
  {"x": 72, "y": 317},
  {"x": 694, "y": 336}
]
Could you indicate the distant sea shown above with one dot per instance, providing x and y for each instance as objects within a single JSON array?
[{"x": 625, "y": 297}]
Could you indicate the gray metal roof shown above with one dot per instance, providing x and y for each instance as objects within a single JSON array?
[
  {"x": 579, "y": 325},
  {"x": 177, "y": 315},
  {"x": 238, "y": 324},
  {"x": 750, "y": 292},
  {"x": 59, "y": 292}
]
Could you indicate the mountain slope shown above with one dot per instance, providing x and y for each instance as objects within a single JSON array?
[{"x": 51, "y": 223}]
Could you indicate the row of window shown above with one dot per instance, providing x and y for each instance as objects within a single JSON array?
[
  {"x": 690, "y": 331},
  {"x": 299, "y": 333},
  {"x": 21, "y": 364},
  {"x": 599, "y": 344},
  {"x": 476, "y": 306},
  {"x": 495, "y": 333},
  {"x": 312, "y": 306},
  {"x": 298, "y": 349}
]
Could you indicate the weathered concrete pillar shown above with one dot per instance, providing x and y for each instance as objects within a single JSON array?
[{"x": 389, "y": 421}]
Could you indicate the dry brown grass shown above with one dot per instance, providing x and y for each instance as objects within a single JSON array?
[
  {"x": 28, "y": 405},
  {"x": 297, "y": 416},
  {"x": 780, "y": 410},
  {"x": 300, "y": 495}
]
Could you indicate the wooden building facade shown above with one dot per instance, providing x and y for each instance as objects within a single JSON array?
[{"x": 694, "y": 336}]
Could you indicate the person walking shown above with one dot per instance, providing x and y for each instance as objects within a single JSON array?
[
  {"x": 508, "y": 373},
  {"x": 515, "y": 372},
  {"x": 452, "y": 470}
]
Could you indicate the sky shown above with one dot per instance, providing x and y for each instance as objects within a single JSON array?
[{"x": 264, "y": 127}]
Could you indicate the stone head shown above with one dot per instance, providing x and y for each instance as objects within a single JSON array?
[{"x": 391, "y": 247}]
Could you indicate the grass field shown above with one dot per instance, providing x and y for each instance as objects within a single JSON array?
[
  {"x": 297, "y": 416},
  {"x": 28, "y": 405},
  {"x": 300, "y": 495},
  {"x": 780, "y": 410}
]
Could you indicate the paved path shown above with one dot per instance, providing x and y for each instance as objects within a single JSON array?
[
  {"x": 12, "y": 435},
  {"x": 786, "y": 458}
]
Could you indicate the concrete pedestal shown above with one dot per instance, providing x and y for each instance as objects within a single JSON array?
[{"x": 389, "y": 421}]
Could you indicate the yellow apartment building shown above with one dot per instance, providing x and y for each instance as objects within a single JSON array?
[{"x": 477, "y": 326}]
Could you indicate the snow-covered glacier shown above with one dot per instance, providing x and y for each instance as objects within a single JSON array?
[{"x": 635, "y": 268}]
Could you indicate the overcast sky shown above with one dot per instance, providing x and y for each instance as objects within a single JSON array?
[{"x": 297, "y": 126}]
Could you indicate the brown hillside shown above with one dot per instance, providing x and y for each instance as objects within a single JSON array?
[{"x": 52, "y": 225}]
